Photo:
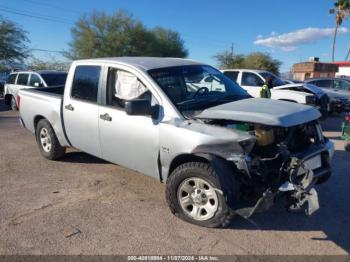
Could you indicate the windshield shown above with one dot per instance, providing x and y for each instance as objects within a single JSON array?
[
  {"x": 275, "y": 80},
  {"x": 193, "y": 88},
  {"x": 54, "y": 79}
]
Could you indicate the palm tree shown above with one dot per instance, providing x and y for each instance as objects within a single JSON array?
[{"x": 341, "y": 10}]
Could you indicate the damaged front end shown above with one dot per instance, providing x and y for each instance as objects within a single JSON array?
[{"x": 279, "y": 162}]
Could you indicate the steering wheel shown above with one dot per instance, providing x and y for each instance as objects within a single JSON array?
[{"x": 201, "y": 91}]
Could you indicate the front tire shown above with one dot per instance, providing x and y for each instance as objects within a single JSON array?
[
  {"x": 194, "y": 194},
  {"x": 47, "y": 141}
]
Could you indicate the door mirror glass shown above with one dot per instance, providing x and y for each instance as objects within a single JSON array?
[
  {"x": 138, "y": 107},
  {"x": 36, "y": 84}
]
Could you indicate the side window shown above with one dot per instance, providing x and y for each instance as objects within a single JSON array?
[
  {"x": 123, "y": 86},
  {"x": 22, "y": 79},
  {"x": 232, "y": 75},
  {"x": 11, "y": 79},
  {"x": 345, "y": 85},
  {"x": 324, "y": 83},
  {"x": 86, "y": 82},
  {"x": 251, "y": 79},
  {"x": 35, "y": 80}
]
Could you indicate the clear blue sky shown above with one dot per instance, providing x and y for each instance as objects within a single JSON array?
[{"x": 207, "y": 27}]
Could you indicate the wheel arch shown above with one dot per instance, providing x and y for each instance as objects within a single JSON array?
[
  {"x": 36, "y": 120},
  {"x": 218, "y": 163}
]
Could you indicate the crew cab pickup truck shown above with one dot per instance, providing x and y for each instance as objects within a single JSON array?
[
  {"x": 30, "y": 79},
  {"x": 253, "y": 80},
  {"x": 220, "y": 152}
]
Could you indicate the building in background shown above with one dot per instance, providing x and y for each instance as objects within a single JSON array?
[
  {"x": 344, "y": 69},
  {"x": 313, "y": 69}
]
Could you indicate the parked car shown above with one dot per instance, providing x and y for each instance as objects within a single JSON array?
[
  {"x": 220, "y": 152},
  {"x": 338, "y": 89},
  {"x": 322, "y": 100},
  {"x": 29, "y": 79},
  {"x": 291, "y": 81},
  {"x": 253, "y": 80}
]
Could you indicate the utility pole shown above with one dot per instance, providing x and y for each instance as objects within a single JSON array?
[{"x": 232, "y": 47}]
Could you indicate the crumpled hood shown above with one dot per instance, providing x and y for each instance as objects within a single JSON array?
[
  {"x": 263, "y": 111},
  {"x": 312, "y": 88}
]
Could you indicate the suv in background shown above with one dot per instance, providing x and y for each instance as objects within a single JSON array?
[
  {"x": 338, "y": 89},
  {"x": 30, "y": 79}
]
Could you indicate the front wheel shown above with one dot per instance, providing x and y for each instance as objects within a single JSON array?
[
  {"x": 194, "y": 194},
  {"x": 47, "y": 141}
]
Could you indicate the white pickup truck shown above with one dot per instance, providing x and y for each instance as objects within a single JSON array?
[
  {"x": 220, "y": 152},
  {"x": 30, "y": 79},
  {"x": 253, "y": 80}
]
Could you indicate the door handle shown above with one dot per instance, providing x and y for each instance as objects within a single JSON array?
[
  {"x": 106, "y": 117},
  {"x": 69, "y": 107}
]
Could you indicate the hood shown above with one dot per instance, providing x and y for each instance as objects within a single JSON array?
[
  {"x": 312, "y": 88},
  {"x": 263, "y": 111}
]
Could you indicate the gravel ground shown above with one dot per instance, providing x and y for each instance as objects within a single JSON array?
[{"x": 83, "y": 205}]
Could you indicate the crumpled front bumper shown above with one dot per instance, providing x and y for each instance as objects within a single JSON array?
[{"x": 304, "y": 194}]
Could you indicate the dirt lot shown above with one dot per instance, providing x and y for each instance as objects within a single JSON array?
[{"x": 83, "y": 205}]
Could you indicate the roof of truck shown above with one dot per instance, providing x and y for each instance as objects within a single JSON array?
[{"x": 145, "y": 63}]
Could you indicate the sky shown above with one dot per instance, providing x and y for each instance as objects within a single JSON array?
[{"x": 290, "y": 30}]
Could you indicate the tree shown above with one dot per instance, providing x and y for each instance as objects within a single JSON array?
[
  {"x": 120, "y": 34},
  {"x": 13, "y": 43},
  {"x": 256, "y": 60},
  {"x": 341, "y": 10}
]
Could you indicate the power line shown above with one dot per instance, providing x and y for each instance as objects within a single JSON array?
[
  {"x": 35, "y": 15},
  {"x": 46, "y": 50},
  {"x": 52, "y": 6}
]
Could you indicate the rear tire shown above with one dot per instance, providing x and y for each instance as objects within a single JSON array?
[
  {"x": 47, "y": 141},
  {"x": 13, "y": 104},
  {"x": 182, "y": 191}
]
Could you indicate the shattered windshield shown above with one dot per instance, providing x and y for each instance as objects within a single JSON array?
[{"x": 197, "y": 87}]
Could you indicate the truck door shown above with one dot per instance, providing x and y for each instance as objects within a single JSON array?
[
  {"x": 130, "y": 141},
  {"x": 252, "y": 83},
  {"x": 80, "y": 109}
]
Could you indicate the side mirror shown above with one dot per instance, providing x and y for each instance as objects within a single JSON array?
[
  {"x": 138, "y": 107},
  {"x": 36, "y": 84}
]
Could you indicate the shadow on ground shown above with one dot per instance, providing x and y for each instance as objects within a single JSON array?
[
  {"x": 333, "y": 217},
  {"x": 3, "y": 107},
  {"x": 82, "y": 158}
]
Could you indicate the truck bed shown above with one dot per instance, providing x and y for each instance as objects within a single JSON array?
[{"x": 38, "y": 103}]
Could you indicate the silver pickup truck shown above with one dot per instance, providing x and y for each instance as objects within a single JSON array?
[{"x": 220, "y": 152}]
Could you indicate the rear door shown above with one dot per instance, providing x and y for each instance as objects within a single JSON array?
[
  {"x": 80, "y": 108},
  {"x": 22, "y": 82},
  {"x": 10, "y": 82}
]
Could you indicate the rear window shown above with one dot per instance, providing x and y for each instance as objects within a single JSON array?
[
  {"x": 11, "y": 79},
  {"x": 322, "y": 83},
  {"x": 22, "y": 79},
  {"x": 85, "y": 83},
  {"x": 232, "y": 75},
  {"x": 54, "y": 79}
]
